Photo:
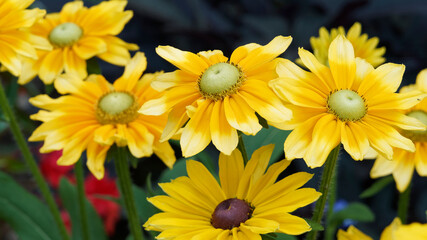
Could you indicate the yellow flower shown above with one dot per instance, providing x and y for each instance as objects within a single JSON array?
[
  {"x": 397, "y": 231},
  {"x": 245, "y": 204},
  {"x": 404, "y": 162},
  {"x": 15, "y": 40},
  {"x": 219, "y": 95},
  {"x": 363, "y": 47},
  {"x": 78, "y": 33},
  {"x": 95, "y": 114},
  {"x": 350, "y": 103}
]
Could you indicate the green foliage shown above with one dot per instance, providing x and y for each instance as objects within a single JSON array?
[
  {"x": 277, "y": 236},
  {"x": 377, "y": 187},
  {"x": 179, "y": 169},
  {"x": 314, "y": 225},
  {"x": 69, "y": 199},
  {"x": 25, "y": 213},
  {"x": 143, "y": 207}
]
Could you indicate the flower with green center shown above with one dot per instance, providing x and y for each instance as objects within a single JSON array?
[
  {"x": 16, "y": 41},
  {"x": 404, "y": 162},
  {"x": 413, "y": 231},
  {"x": 93, "y": 115},
  {"x": 349, "y": 102},
  {"x": 246, "y": 203},
  {"x": 363, "y": 47},
  {"x": 218, "y": 96},
  {"x": 76, "y": 34}
]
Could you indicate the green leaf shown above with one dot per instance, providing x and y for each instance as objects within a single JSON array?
[
  {"x": 69, "y": 198},
  {"x": 262, "y": 121},
  {"x": 143, "y": 207},
  {"x": 278, "y": 236},
  {"x": 29, "y": 218},
  {"x": 93, "y": 66},
  {"x": 178, "y": 170},
  {"x": 376, "y": 187},
  {"x": 355, "y": 211},
  {"x": 314, "y": 225}
]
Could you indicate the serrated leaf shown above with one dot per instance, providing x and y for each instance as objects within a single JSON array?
[
  {"x": 68, "y": 194},
  {"x": 29, "y": 218},
  {"x": 376, "y": 187}
]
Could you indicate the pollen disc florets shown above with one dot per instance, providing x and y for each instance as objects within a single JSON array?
[
  {"x": 116, "y": 107},
  {"x": 417, "y": 135},
  {"x": 231, "y": 213},
  {"x": 220, "y": 80},
  {"x": 65, "y": 34},
  {"x": 347, "y": 105}
]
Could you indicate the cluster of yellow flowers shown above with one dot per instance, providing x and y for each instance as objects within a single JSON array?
[{"x": 344, "y": 94}]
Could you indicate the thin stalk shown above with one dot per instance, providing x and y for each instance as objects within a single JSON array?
[
  {"x": 31, "y": 162},
  {"x": 242, "y": 148},
  {"x": 403, "y": 205},
  {"x": 78, "y": 171},
  {"x": 325, "y": 185},
  {"x": 122, "y": 170},
  {"x": 331, "y": 229}
]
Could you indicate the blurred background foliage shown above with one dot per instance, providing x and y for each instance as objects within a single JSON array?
[{"x": 196, "y": 25}]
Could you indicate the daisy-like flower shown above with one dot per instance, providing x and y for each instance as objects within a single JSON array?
[
  {"x": 78, "y": 33},
  {"x": 94, "y": 114},
  {"x": 15, "y": 40},
  {"x": 396, "y": 230},
  {"x": 404, "y": 162},
  {"x": 363, "y": 47},
  {"x": 219, "y": 95},
  {"x": 350, "y": 103},
  {"x": 245, "y": 204}
]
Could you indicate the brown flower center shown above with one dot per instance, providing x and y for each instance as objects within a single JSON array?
[
  {"x": 231, "y": 213},
  {"x": 116, "y": 107}
]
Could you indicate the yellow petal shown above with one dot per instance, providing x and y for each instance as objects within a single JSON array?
[
  {"x": 132, "y": 73},
  {"x": 403, "y": 172},
  {"x": 70, "y": 10},
  {"x": 185, "y": 61},
  {"x": 52, "y": 66},
  {"x": 172, "y": 79},
  {"x": 139, "y": 140},
  {"x": 117, "y": 51},
  {"x": 363, "y": 68},
  {"x": 164, "y": 151},
  {"x": 354, "y": 140},
  {"x": 104, "y": 135},
  {"x": 320, "y": 70},
  {"x": 240, "y": 115},
  {"x": 261, "y": 225},
  {"x": 88, "y": 47},
  {"x": 73, "y": 64},
  {"x": 288, "y": 223},
  {"x": 224, "y": 137},
  {"x": 230, "y": 171},
  {"x": 342, "y": 62},
  {"x": 382, "y": 167},
  {"x": 96, "y": 155}
]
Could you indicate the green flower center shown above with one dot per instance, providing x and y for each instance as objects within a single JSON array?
[
  {"x": 65, "y": 34},
  {"x": 347, "y": 105},
  {"x": 417, "y": 135},
  {"x": 231, "y": 213},
  {"x": 220, "y": 80},
  {"x": 116, "y": 107}
]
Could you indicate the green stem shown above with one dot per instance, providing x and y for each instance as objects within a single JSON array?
[
  {"x": 125, "y": 183},
  {"x": 241, "y": 147},
  {"x": 31, "y": 162},
  {"x": 325, "y": 185},
  {"x": 403, "y": 204},
  {"x": 78, "y": 171},
  {"x": 331, "y": 229}
]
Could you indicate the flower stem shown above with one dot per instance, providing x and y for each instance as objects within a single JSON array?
[
  {"x": 325, "y": 185},
  {"x": 125, "y": 183},
  {"x": 31, "y": 162},
  {"x": 241, "y": 147},
  {"x": 403, "y": 204},
  {"x": 78, "y": 171}
]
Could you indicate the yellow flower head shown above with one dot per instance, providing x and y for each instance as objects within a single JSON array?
[
  {"x": 404, "y": 162},
  {"x": 78, "y": 33},
  {"x": 350, "y": 103},
  {"x": 363, "y": 47},
  {"x": 245, "y": 204},
  {"x": 95, "y": 114},
  {"x": 397, "y": 231},
  {"x": 219, "y": 95},
  {"x": 15, "y": 39}
]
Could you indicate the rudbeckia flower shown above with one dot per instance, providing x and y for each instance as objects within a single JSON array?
[
  {"x": 218, "y": 95},
  {"x": 245, "y": 204},
  {"x": 404, "y": 162},
  {"x": 92, "y": 115},
  {"x": 15, "y": 39},
  {"x": 363, "y": 47},
  {"x": 76, "y": 34},
  {"x": 396, "y": 230},
  {"x": 350, "y": 103}
]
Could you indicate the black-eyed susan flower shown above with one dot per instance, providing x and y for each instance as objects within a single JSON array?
[
  {"x": 245, "y": 204},
  {"x": 15, "y": 39},
  {"x": 76, "y": 34},
  {"x": 350, "y": 103},
  {"x": 404, "y": 162},
  {"x": 363, "y": 47},
  {"x": 218, "y": 95},
  {"x": 396, "y": 230},
  {"x": 94, "y": 114}
]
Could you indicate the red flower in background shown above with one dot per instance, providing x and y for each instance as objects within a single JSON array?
[{"x": 109, "y": 211}]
